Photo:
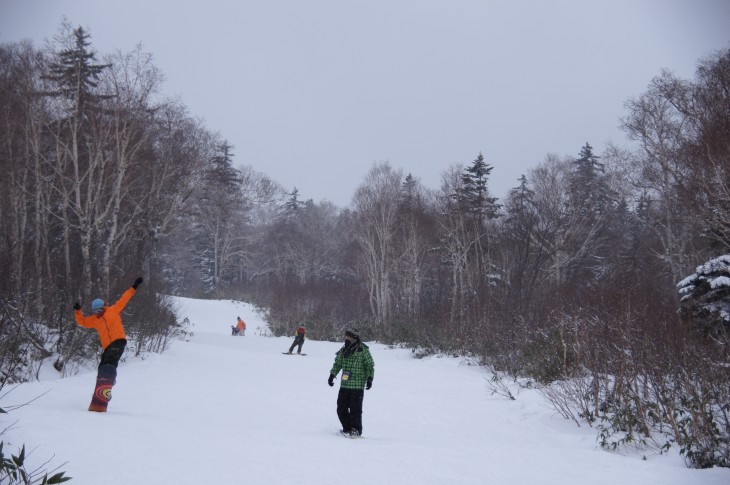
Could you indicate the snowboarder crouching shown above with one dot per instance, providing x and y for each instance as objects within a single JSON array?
[{"x": 107, "y": 322}]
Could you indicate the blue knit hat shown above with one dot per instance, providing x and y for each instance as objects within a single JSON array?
[{"x": 97, "y": 304}]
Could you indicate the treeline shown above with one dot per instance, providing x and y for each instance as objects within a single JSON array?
[
  {"x": 602, "y": 279},
  {"x": 104, "y": 179},
  {"x": 570, "y": 283}
]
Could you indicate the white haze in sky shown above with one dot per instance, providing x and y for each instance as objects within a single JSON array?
[{"x": 312, "y": 93}]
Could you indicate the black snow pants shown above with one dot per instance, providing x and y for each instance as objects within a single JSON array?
[
  {"x": 349, "y": 409},
  {"x": 297, "y": 341},
  {"x": 113, "y": 353}
]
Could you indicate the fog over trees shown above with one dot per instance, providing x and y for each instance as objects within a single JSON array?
[{"x": 602, "y": 278}]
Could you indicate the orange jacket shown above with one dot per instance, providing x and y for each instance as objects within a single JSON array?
[
  {"x": 241, "y": 324},
  {"x": 109, "y": 324}
]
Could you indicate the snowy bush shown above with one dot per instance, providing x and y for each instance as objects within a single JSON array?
[{"x": 14, "y": 470}]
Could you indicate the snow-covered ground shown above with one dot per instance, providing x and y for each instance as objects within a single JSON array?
[{"x": 226, "y": 410}]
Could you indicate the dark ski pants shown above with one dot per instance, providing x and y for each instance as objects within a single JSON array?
[
  {"x": 349, "y": 409},
  {"x": 297, "y": 341},
  {"x": 113, "y": 353}
]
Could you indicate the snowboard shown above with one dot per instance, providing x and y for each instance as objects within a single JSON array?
[
  {"x": 287, "y": 353},
  {"x": 105, "y": 380},
  {"x": 349, "y": 436}
]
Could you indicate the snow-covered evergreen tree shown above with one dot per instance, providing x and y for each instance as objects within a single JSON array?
[{"x": 706, "y": 293}]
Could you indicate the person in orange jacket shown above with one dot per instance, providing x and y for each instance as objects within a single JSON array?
[
  {"x": 107, "y": 322},
  {"x": 241, "y": 327}
]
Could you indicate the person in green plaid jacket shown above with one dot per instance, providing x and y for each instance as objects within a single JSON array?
[{"x": 358, "y": 370}]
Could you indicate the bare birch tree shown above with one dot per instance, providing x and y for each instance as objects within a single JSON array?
[
  {"x": 375, "y": 228},
  {"x": 655, "y": 124},
  {"x": 417, "y": 238}
]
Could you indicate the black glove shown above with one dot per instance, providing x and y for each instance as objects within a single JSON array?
[
  {"x": 331, "y": 380},
  {"x": 369, "y": 383},
  {"x": 77, "y": 306},
  {"x": 137, "y": 282}
]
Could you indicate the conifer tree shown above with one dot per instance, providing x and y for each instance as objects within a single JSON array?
[
  {"x": 220, "y": 218},
  {"x": 475, "y": 191},
  {"x": 293, "y": 204},
  {"x": 76, "y": 74},
  {"x": 479, "y": 207},
  {"x": 588, "y": 191}
]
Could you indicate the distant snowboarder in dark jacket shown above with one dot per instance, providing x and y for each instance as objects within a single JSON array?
[
  {"x": 299, "y": 334},
  {"x": 107, "y": 322},
  {"x": 358, "y": 371}
]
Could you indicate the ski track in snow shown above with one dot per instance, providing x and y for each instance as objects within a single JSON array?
[{"x": 223, "y": 409}]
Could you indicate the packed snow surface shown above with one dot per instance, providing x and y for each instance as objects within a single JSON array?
[{"x": 226, "y": 410}]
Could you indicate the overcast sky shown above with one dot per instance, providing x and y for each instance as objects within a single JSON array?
[{"x": 313, "y": 92}]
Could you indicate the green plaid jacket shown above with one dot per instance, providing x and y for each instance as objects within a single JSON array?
[{"x": 356, "y": 368}]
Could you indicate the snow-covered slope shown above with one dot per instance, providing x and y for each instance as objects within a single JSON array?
[{"x": 226, "y": 410}]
